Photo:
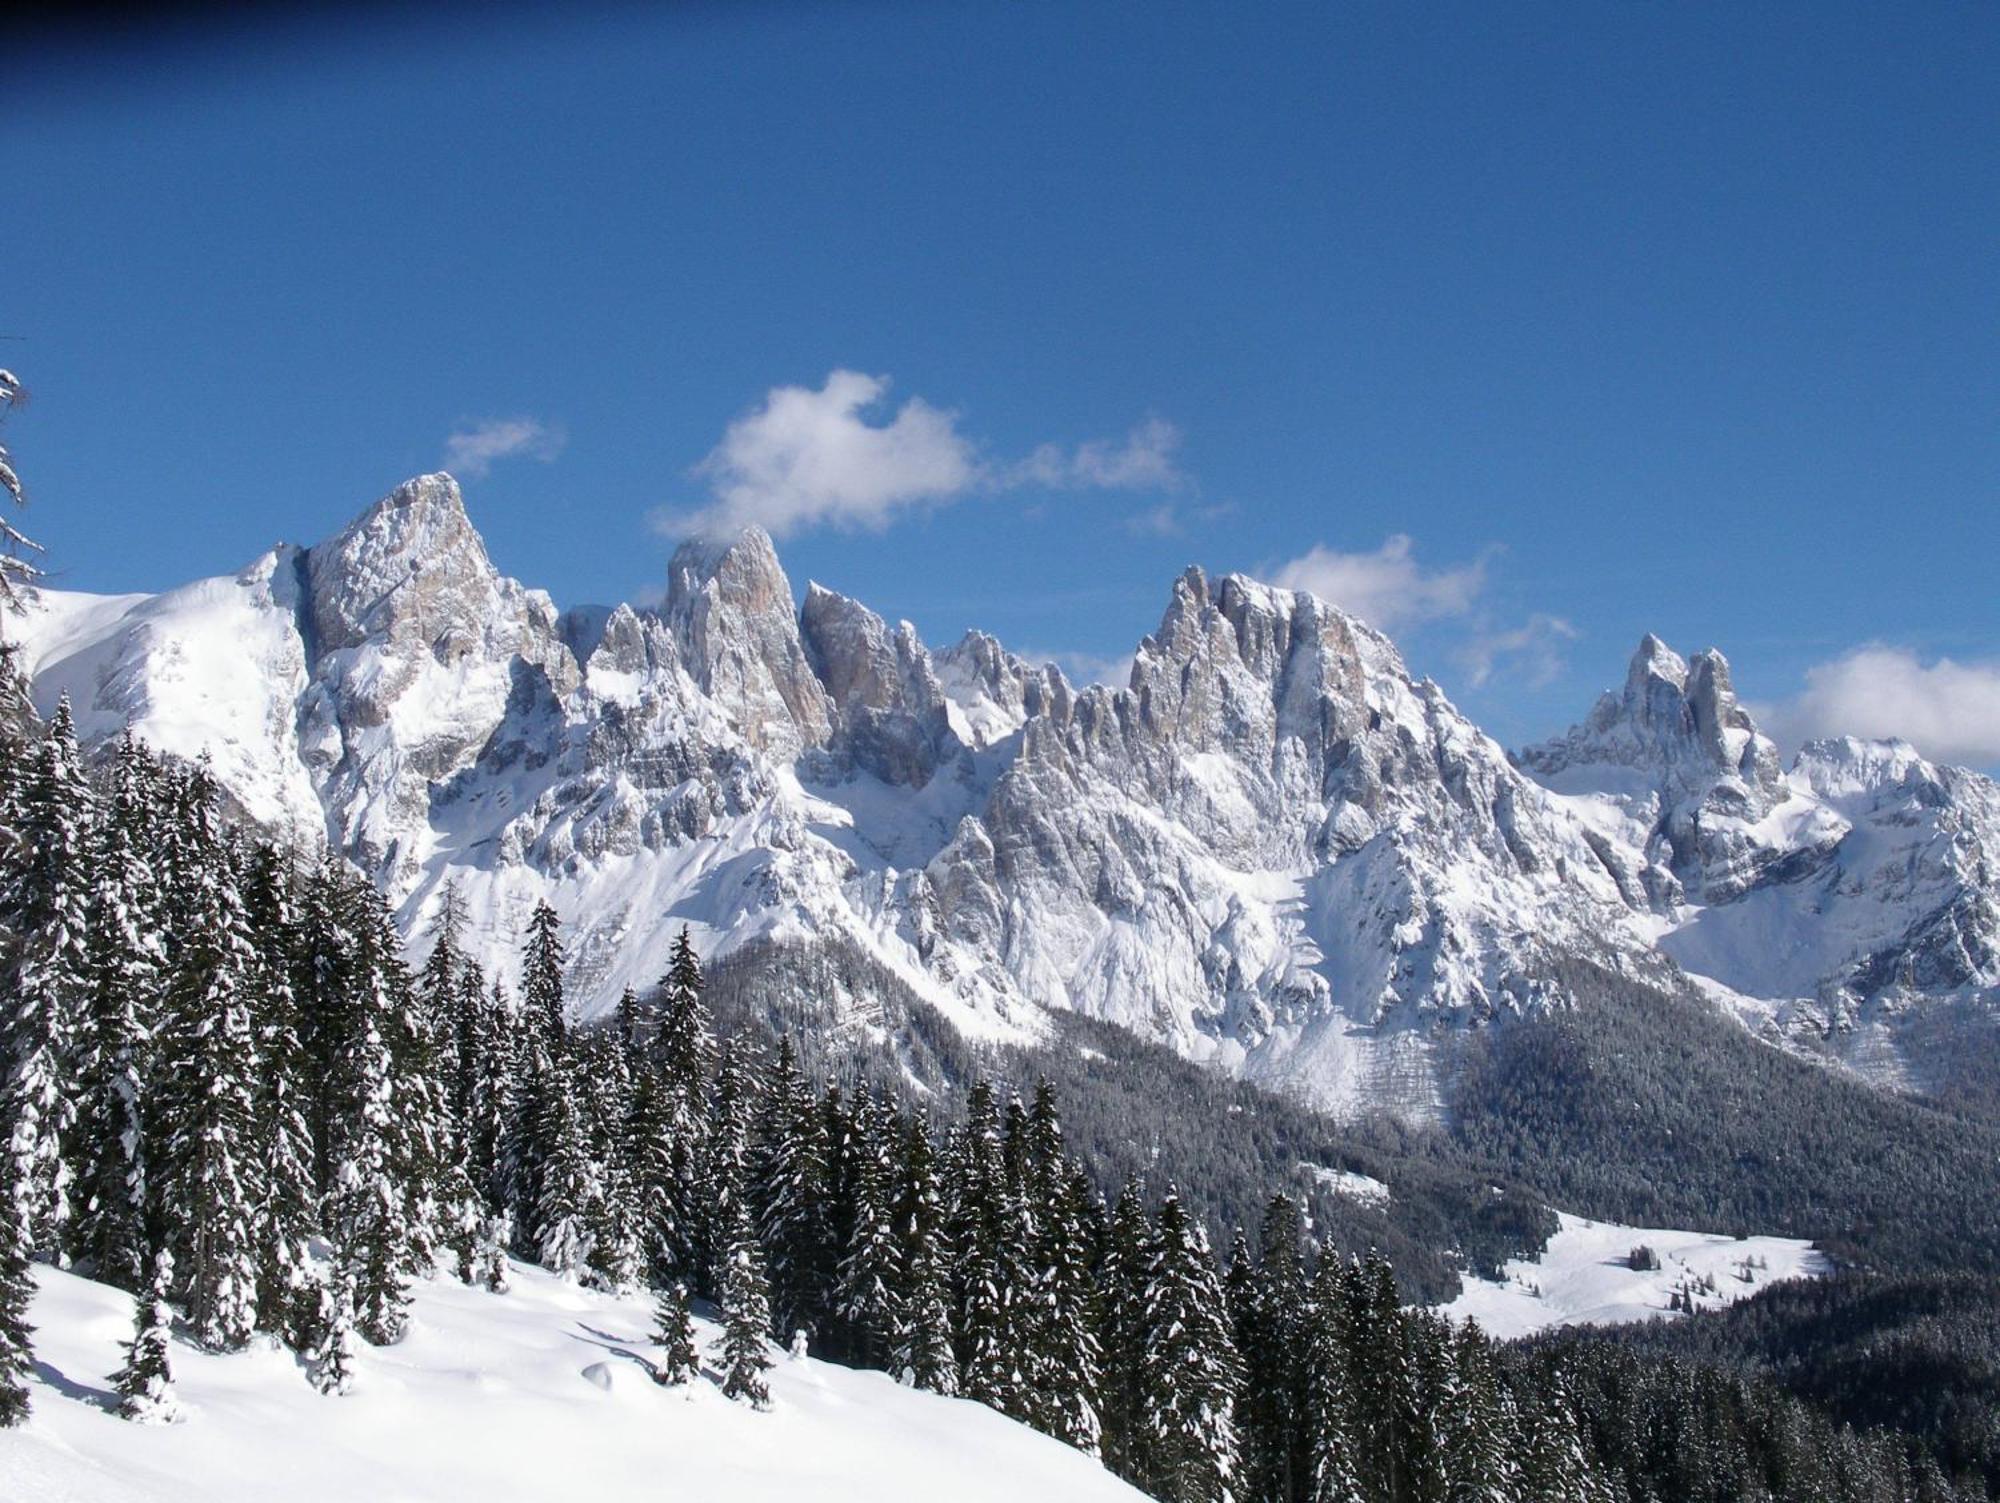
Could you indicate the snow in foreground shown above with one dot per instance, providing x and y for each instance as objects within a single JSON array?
[
  {"x": 1584, "y": 1276},
  {"x": 536, "y": 1394}
]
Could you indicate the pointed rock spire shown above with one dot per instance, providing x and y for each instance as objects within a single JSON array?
[{"x": 730, "y": 607}]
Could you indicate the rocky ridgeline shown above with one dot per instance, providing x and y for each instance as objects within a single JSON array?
[{"x": 1273, "y": 847}]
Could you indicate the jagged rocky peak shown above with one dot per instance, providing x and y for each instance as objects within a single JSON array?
[
  {"x": 409, "y": 566},
  {"x": 991, "y": 693},
  {"x": 1678, "y": 718},
  {"x": 730, "y": 607},
  {"x": 892, "y": 719},
  {"x": 1241, "y": 665},
  {"x": 625, "y": 641}
]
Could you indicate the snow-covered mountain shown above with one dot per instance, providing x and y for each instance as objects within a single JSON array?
[
  {"x": 1273, "y": 848},
  {"x": 1826, "y": 903}
]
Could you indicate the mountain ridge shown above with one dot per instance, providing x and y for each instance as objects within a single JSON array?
[{"x": 1273, "y": 848}]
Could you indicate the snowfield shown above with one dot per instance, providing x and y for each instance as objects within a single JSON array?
[
  {"x": 1583, "y": 1277},
  {"x": 541, "y": 1393}
]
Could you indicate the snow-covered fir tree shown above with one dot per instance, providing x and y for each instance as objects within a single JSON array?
[
  {"x": 206, "y": 1098},
  {"x": 570, "y": 1190},
  {"x": 17, "y": 1288},
  {"x": 920, "y": 1351},
  {"x": 286, "y": 1215},
  {"x": 728, "y": 1165},
  {"x": 683, "y": 1050},
  {"x": 746, "y": 1318},
  {"x": 1187, "y": 1368},
  {"x": 367, "y": 1205},
  {"x": 673, "y": 1334},
  {"x": 46, "y": 975},
  {"x": 145, "y": 1382},
  {"x": 1330, "y": 1471},
  {"x": 331, "y": 1366},
  {"x": 115, "y": 1039},
  {"x": 864, "y": 1302},
  {"x": 789, "y": 1199}
]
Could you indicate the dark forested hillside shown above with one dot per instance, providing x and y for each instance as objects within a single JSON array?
[{"x": 1645, "y": 1105}]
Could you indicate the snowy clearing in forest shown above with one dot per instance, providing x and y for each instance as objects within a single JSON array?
[
  {"x": 539, "y": 1393},
  {"x": 1585, "y": 1277}
]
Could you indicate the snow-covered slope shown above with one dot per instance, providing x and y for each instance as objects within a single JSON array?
[
  {"x": 1585, "y": 1277},
  {"x": 1273, "y": 848},
  {"x": 1826, "y": 903},
  {"x": 537, "y": 1394}
]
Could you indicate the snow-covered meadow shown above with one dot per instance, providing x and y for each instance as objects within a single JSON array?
[
  {"x": 1584, "y": 1276},
  {"x": 541, "y": 1393}
]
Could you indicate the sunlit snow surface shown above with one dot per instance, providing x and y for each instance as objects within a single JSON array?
[
  {"x": 488, "y": 1398},
  {"x": 1584, "y": 1276}
]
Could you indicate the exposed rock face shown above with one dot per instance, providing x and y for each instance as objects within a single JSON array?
[
  {"x": 1839, "y": 893},
  {"x": 1272, "y": 848},
  {"x": 1711, "y": 773},
  {"x": 891, "y": 712},
  {"x": 730, "y": 607}
]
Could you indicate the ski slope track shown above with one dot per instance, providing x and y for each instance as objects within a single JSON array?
[
  {"x": 1273, "y": 849},
  {"x": 543, "y": 1392}
]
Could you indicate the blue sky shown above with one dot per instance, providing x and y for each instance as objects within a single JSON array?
[{"x": 1528, "y": 329}]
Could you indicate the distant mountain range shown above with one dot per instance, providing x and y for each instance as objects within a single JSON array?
[{"x": 1273, "y": 849}]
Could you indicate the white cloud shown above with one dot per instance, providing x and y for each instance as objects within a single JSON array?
[
  {"x": 1534, "y": 650},
  {"x": 1387, "y": 588},
  {"x": 1162, "y": 521},
  {"x": 809, "y": 458},
  {"x": 1949, "y": 711},
  {"x": 473, "y": 450},
  {"x": 1144, "y": 460},
  {"x": 813, "y": 458}
]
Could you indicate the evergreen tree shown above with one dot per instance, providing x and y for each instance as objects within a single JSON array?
[
  {"x": 865, "y": 1282},
  {"x": 789, "y": 1196},
  {"x": 987, "y": 1249},
  {"x": 367, "y": 1203},
  {"x": 1060, "y": 1319},
  {"x": 1380, "y": 1376},
  {"x": 920, "y": 1353},
  {"x": 1187, "y": 1368},
  {"x": 602, "y": 1084},
  {"x": 490, "y": 1057},
  {"x": 541, "y": 1057},
  {"x": 17, "y": 1289},
  {"x": 1122, "y": 1282},
  {"x": 746, "y": 1317},
  {"x": 683, "y": 1049},
  {"x": 1271, "y": 1338},
  {"x": 1330, "y": 1471},
  {"x": 727, "y": 1169},
  {"x": 115, "y": 1041},
  {"x": 673, "y": 1334},
  {"x": 332, "y": 1365},
  {"x": 145, "y": 1383},
  {"x": 286, "y": 1213},
  {"x": 209, "y": 1153},
  {"x": 569, "y": 1185},
  {"x": 1480, "y": 1435},
  {"x": 542, "y": 980},
  {"x": 46, "y": 976}
]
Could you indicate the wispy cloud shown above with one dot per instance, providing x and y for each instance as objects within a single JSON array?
[
  {"x": 475, "y": 448},
  {"x": 1171, "y": 519},
  {"x": 1387, "y": 588},
  {"x": 1533, "y": 651},
  {"x": 1142, "y": 460},
  {"x": 837, "y": 457},
  {"x": 1950, "y": 711}
]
